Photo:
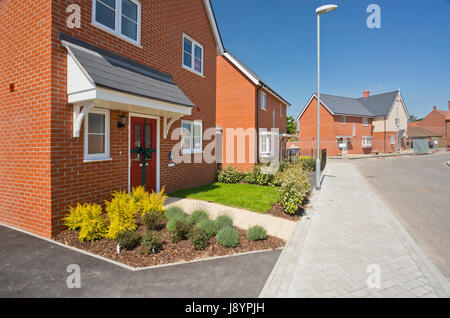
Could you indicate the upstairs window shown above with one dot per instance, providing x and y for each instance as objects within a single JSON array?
[
  {"x": 263, "y": 101},
  {"x": 281, "y": 110},
  {"x": 120, "y": 17},
  {"x": 344, "y": 120},
  {"x": 365, "y": 121},
  {"x": 192, "y": 55}
]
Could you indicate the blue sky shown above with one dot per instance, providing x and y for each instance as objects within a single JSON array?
[{"x": 277, "y": 39}]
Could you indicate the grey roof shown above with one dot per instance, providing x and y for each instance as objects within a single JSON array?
[
  {"x": 258, "y": 78},
  {"x": 117, "y": 72},
  {"x": 372, "y": 106}
]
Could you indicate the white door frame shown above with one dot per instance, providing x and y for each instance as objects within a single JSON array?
[{"x": 158, "y": 185}]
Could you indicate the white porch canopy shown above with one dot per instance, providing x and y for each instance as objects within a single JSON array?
[{"x": 98, "y": 78}]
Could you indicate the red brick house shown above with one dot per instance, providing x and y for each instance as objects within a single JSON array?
[
  {"x": 91, "y": 109},
  {"x": 436, "y": 124},
  {"x": 245, "y": 101},
  {"x": 376, "y": 123}
]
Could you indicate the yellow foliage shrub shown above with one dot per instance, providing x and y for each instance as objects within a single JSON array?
[
  {"x": 121, "y": 212},
  {"x": 88, "y": 219},
  {"x": 154, "y": 203}
]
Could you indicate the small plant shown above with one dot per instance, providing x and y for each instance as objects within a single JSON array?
[
  {"x": 181, "y": 230},
  {"x": 198, "y": 216},
  {"x": 138, "y": 195},
  {"x": 152, "y": 220},
  {"x": 198, "y": 238},
  {"x": 151, "y": 242},
  {"x": 209, "y": 226},
  {"x": 229, "y": 175},
  {"x": 294, "y": 187},
  {"x": 173, "y": 220},
  {"x": 128, "y": 239},
  {"x": 121, "y": 212},
  {"x": 174, "y": 212},
  {"x": 153, "y": 203},
  {"x": 256, "y": 176},
  {"x": 228, "y": 237},
  {"x": 88, "y": 219},
  {"x": 256, "y": 233},
  {"x": 223, "y": 221}
]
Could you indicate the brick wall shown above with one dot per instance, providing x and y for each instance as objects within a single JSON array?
[
  {"x": 236, "y": 108},
  {"x": 25, "y": 200},
  {"x": 42, "y": 170}
]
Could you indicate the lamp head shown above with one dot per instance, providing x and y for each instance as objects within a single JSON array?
[{"x": 326, "y": 8}]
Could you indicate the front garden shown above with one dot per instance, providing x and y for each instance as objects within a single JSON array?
[
  {"x": 283, "y": 193},
  {"x": 136, "y": 230}
]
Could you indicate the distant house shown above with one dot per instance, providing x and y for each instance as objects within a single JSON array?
[
  {"x": 245, "y": 101},
  {"x": 435, "y": 123},
  {"x": 421, "y": 139},
  {"x": 376, "y": 123}
]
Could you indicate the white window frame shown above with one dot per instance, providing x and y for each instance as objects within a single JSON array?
[
  {"x": 194, "y": 43},
  {"x": 365, "y": 122},
  {"x": 263, "y": 105},
  {"x": 270, "y": 143},
  {"x": 367, "y": 142},
  {"x": 97, "y": 157},
  {"x": 117, "y": 31},
  {"x": 191, "y": 149},
  {"x": 344, "y": 120}
]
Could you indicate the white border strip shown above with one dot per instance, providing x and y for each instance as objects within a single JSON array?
[{"x": 128, "y": 267}]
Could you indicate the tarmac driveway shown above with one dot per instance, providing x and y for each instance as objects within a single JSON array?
[
  {"x": 32, "y": 267},
  {"x": 418, "y": 191}
]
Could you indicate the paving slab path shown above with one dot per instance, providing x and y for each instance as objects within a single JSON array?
[
  {"x": 348, "y": 235},
  {"x": 244, "y": 219}
]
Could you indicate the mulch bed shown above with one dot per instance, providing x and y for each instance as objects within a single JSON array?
[{"x": 170, "y": 252}]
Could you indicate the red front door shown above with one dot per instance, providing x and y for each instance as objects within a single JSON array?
[{"x": 143, "y": 153}]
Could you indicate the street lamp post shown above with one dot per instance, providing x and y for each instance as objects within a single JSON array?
[{"x": 319, "y": 11}]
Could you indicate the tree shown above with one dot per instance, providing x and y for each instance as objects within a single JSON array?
[
  {"x": 290, "y": 125},
  {"x": 412, "y": 118}
]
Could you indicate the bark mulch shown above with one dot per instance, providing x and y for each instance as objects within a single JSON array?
[
  {"x": 277, "y": 210},
  {"x": 170, "y": 252}
]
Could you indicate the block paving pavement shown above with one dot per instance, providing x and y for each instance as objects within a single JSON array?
[{"x": 348, "y": 229}]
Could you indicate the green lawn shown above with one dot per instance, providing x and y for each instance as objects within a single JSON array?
[{"x": 247, "y": 196}]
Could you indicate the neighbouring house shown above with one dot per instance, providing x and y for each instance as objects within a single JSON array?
[
  {"x": 372, "y": 123},
  {"x": 93, "y": 109},
  {"x": 421, "y": 139},
  {"x": 249, "y": 108},
  {"x": 447, "y": 127},
  {"x": 435, "y": 123}
]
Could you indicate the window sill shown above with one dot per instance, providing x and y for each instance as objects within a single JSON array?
[
  {"x": 122, "y": 37},
  {"x": 96, "y": 160},
  {"x": 192, "y": 152},
  {"x": 193, "y": 71}
]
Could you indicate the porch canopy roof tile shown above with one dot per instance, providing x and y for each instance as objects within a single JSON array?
[{"x": 112, "y": 71}]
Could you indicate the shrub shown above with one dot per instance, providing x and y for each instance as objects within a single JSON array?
[
  {"x": 256, "y": 233},
  {"x": 138, "y": 195},
  {"x": 199, "y": 238},
  {"x": 223, "y": 221},
  {"x": 228, "y": 237},
  {"x": 209, "y": 226},
  {"x": 308, "y": 164},
  {"x": 198, "y": 216},
  {"x": 88, "y": 219},
  {"x": 121, "y": 213},
  {"x": 152, "y": 220},
  {"x": 229, "y": 175},
  {"x": 174, "y": 212},
  {"x": 256, "y": 176},
  {"x": 151, "y": 242},
  {"x": 128, "y": 239},
  {"x": 154, "y": 203},
  {"x": 181, "y": 230},
  {"x": 294, "y": 187}
]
